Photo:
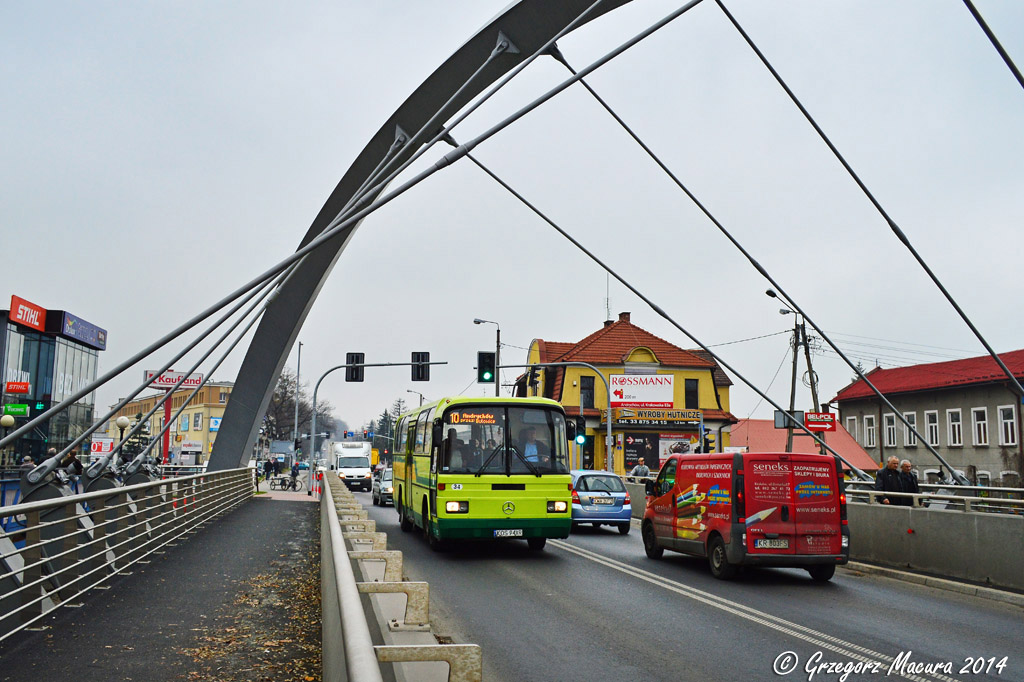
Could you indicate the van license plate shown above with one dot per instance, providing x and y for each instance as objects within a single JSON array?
[
  {"x": 508, "y": 533},
  {"x": 601, "y": 500},
  {"x": 765, "y": 543}
]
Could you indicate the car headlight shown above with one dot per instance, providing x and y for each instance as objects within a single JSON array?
[
  {"x": 456, "y": 507},
  {"x": 341, "y": 474},
  {"x": 557, "y": 506},
  {"x": 389, "y": 489}
]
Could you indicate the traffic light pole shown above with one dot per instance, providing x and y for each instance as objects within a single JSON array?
[{"x": 608, "y": 456}]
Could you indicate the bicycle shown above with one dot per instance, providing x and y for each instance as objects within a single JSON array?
[{"x": 285, "y": 483}]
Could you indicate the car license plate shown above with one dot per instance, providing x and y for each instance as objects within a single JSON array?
[
  {"x": 508, "y": 533},
  {"x": 602, "y": 500},
  {"x": 766, "y": 543}
]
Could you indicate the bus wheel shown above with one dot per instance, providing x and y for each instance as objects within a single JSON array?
[
  {"x": 536, "y": 544},
  {"x": 428, "y": 530}
]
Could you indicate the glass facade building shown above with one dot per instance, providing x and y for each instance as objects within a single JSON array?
[{"x": 41, "y": 369}]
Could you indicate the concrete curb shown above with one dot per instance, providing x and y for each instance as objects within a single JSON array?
[{"x": 1012, "y": 598}]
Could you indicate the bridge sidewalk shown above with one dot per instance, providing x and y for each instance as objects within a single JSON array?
[{"x": 157, "y": 623}]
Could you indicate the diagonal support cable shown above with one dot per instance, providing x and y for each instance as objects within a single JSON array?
[
  {"x": 892, "y": 223},
  {"x": 995, "y": 42},
  {"x": 557, "y": 54},
  {"x": 654, "y": 306}
]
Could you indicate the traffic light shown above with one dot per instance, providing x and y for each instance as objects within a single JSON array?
[
  {"x": 581, "y": 430},
  {"x": 344, "y": 434},
  {"x": 420, "y": 368},
  {"x": 364, "y": 435},
  {"x": 709, "y": 443},
  {"x": 484, "y": 367},
  {"x": 354, "y": 373},
  {"x": 297, "y": 441}
]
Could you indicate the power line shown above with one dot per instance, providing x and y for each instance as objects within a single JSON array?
[{"x": 752, "y": 338}]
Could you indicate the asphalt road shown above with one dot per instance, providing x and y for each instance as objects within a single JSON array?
[{"x": 594, "y": 608}]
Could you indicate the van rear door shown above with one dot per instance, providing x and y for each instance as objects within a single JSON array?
[
  {"x": 816, "y": 505},
  {"x": 770, "y": 520}
]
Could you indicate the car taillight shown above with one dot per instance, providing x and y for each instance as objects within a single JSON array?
[
  {"x": 440, "y": 486},
  {"x": 842, "y": 509},
  {"x": 739, "y": 505},
  {"x": 626, "y": 501},
  {"x": 575, "y": 497}
]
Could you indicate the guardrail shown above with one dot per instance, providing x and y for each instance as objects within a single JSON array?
[
  {"x": 60, "y": 548},
  {"x": 349, "y": 652},
  {"x": 984, "y": 499}
]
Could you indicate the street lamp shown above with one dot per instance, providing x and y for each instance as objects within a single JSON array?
[
  {"x": 497, "y": 354},
  {"x": 122, "y": 423},
  {"x": 7, "y": 421},
  {"x": 409, "y": 390}
]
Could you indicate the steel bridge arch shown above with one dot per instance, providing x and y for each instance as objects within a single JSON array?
[{"x": 529, "y": 24}]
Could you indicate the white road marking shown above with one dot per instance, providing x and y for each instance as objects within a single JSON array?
[{"x": 819, "y": 639}]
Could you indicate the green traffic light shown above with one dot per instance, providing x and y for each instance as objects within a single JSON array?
[{"x": 487, "y": 376}]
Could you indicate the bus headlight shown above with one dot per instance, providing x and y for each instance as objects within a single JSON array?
[
  {"x": 557, "y": 506},
  {"x": 456, "y": 507}
]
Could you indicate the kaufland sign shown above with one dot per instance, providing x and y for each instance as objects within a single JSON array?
[
  {"x": 642, "y": 390},
  {"x": 169, "y": 378}
]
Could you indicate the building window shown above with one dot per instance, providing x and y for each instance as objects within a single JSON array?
[
  {"x": 1007, "y": 425},
  {"x": 979, "y": 422},
  {"x": 851, "y": 426},
  {"x": 224, "y": 397},
  {"x": 931, "y": 425},
  {"x": 197, "y": 421},
  {"x": 586, "y": 392},
  {"x": 954, "y": 428},
  {"x": 909, "y": 437},
  {"x": 869, "y": 431},
  {"x": 890, "y": 430},
  {"x": 692, "y": 402},
  {"x": 985, "y": 478}
]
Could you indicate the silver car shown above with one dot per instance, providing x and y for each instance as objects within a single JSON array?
[{"x": 383, "y": 488}]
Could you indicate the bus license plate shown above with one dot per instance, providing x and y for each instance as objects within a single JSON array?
[
  {"x": 601, "y": 500},
  {"x": 765, "y": 543},
  {"x": 508, "y": 533}
]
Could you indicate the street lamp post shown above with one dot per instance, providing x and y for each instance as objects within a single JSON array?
[
  {"x": 122, "y": 423},
  {"x": 7, "y": 421},
  {"x": 295, "y": 430},
  {"x": 799, "y": 338},
  {"x": 497, "y": 354},
  {"x": 409, "y": 390}
]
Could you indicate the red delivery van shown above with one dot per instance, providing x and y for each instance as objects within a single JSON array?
[{"x": 750, "y": 509}]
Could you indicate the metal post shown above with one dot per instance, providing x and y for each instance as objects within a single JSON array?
[
  {"x": 295, "y": 429},
  {"x": 497, "y": 362},
  {"x": 792, "y": 390}
]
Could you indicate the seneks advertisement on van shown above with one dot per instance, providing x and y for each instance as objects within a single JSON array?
[{"x": 769, "y": 509}]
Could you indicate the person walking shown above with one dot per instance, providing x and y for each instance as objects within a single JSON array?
[
  {"x": 909, "y": 481},
  {"x": 295, "y": 475},
  {"x": 641, "y": 469},
  {"x": 889, "y": 480}
]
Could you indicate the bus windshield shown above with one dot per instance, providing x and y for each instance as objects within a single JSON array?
[{"x": 498, "y": 439}]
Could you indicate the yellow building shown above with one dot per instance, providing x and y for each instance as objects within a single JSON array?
[
  {"x": 195, "y": 430},
  {"x": 664, "y": 399}
]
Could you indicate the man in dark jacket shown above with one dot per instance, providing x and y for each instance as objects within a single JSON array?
[
  {"x": 890, "y": 480},
  {"x": 909, "y": 480}
]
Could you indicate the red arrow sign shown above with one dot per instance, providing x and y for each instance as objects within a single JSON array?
[{"x": 820, "y": 421}]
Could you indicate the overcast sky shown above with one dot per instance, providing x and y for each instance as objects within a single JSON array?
[{"x": 158, "y": 155}]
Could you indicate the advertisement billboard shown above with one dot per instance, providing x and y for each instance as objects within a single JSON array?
[
  {"x": 86, "y": 333},
  {"x": 642, "y": 390},
  {"x": 27, "y": 313},
  {"x": 169, "y": 378}
]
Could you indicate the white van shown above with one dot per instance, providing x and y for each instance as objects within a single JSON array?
[{"x": 352, "y": 460}]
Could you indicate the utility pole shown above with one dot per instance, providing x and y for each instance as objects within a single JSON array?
[
  {"x": 811, "y": 378},
  {"x": 792, "y": 389},
  {"x": 295, "y": 429}
]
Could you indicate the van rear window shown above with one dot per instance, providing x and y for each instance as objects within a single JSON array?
[{"x": 594, "y": 484}]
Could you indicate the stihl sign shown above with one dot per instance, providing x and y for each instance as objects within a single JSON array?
[
  {"x": 170, "y": 379},
  {"x": 27, "y": 313},
  {"x": 820, "y": 421}
]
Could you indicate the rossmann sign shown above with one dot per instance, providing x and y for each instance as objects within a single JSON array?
[{"x": 642, "y": 390}]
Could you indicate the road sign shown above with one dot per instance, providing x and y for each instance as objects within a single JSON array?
[{"x": 820, "y": 421}]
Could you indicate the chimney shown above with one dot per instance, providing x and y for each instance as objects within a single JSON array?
[
  {"x": 609, "y": 323},
  {"x": 623, "y": 317}
]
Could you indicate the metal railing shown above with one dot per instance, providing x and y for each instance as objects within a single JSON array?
[
  {"x": 348, "y": 649},
  {"x": 965, "y": 498},
  {"x": 63, "y": 547}
]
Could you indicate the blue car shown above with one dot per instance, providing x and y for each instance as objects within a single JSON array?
[{"x": 600, "y": 498}]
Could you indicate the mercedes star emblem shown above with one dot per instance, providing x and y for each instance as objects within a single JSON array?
[{"x": 508, "y": 507}]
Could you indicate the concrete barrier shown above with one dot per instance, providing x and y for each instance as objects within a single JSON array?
[{"x": 984, "y": 548}]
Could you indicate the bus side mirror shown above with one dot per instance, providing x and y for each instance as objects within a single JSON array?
[{"x": 570, "y": 429}]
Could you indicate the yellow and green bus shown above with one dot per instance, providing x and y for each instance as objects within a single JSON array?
[{"x": 484, "y": 469}]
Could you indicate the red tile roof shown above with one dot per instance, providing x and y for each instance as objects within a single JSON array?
[
  {"x": 979, "y": 370},
  {"x": 612, "y": 344},
  {"x": 760, "y": 435}
]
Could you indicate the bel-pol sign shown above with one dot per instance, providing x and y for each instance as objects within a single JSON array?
[
  {"x": 170, "y": 378},
  {"x": 820, "y": 421}
]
